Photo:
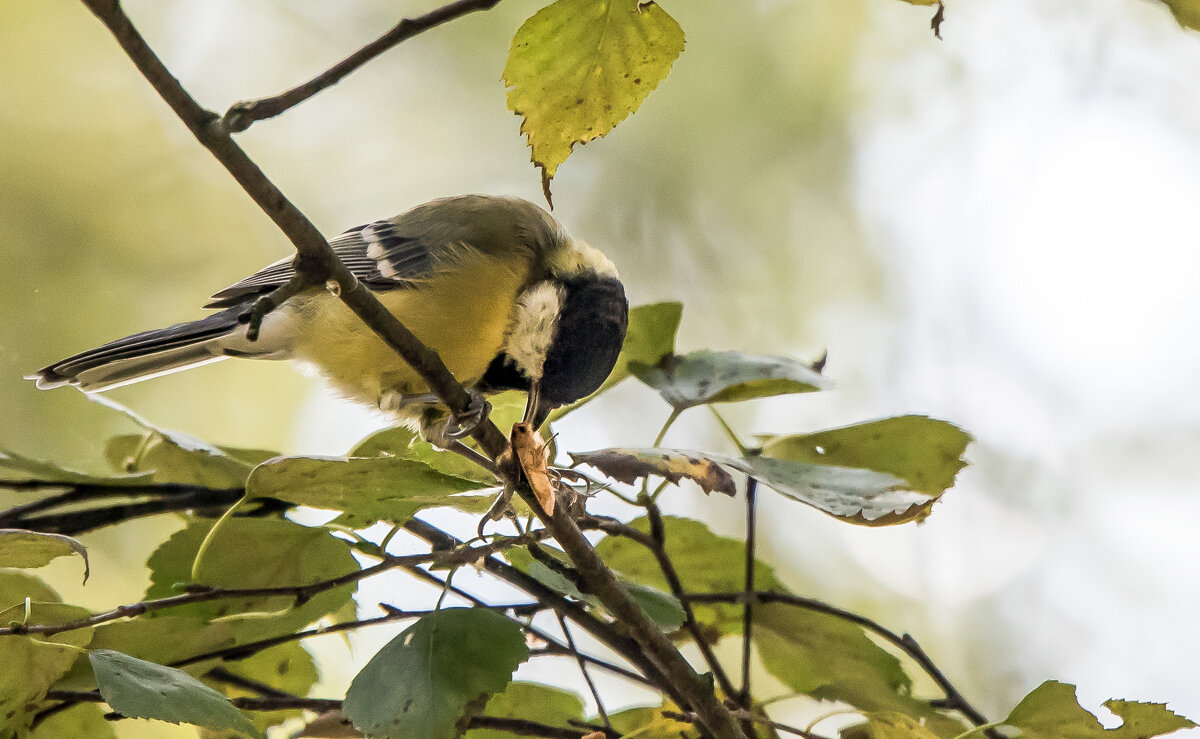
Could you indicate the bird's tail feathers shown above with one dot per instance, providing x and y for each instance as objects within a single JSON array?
[{"x": 148, "y": 354}]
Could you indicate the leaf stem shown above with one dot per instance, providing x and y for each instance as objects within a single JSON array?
[
  {"x": 210, "y": 536},
  {"x": 729, "y": 432}
]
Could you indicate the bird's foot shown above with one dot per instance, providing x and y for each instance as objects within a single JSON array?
[
  {"x": 461, "y": 424},
  {"x": 444, "y": 430}
]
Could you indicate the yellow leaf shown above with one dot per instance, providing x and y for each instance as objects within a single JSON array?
[{"x": 577, "y": 68}]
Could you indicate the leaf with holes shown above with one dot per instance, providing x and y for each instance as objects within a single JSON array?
[
  {"x": 287, "y": 667},
  {"x": 435, "y": 675},
  {"x": 705, "y": 377},
  {"x": 1052, "y": 711},
  {"x": 530, "y": 702},
  {"x": 365, "y": 490},
  {"x": 924, "y": 452},
  {"x": 31, "y": 549},
  {"x": 856, "y": 495},
  {"x": 141, "y": 689},
  {"x": 577, "y": 68},
  {"x": 630, "y": 465}
]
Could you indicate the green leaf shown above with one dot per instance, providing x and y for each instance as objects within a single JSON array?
[
  {"x": 705, "y": 562},
  {"x": 1186, "y": 12},
  {"x": 552, "y": 579},
  {"x": 649, "y": 723},
  {"x": 860, "y": 496},
  {"x": 31, "y": 665},
  {"x": 661, "y": 607},
  {"x": 81, "y": 721},
  {"x": 531, "y": 702},
  {"x": 1052, "y": 711},
  {"x": 18, "y": 468},
  {"x": 141, "y": 689},
  {"x": 16, "y": 586},
  {"x": 30, "y": 549},
  {"x": 829, "y": 658},
  {"x": 649, "y": 337},
  {"x": 401, "y": 443},
  {"x": 629, "y": 465},
  {"x": 287, "y": 667},
  {"x": 164, "y": 638},
  {"x": 577, "y": 68},
  {"x": 888, "y": 725},
  {"x": 704, "y": 377},
  {"x": 924, "y": 452},
  {"x": 365, "y": 490},
  {"x": 254, "y": 553},
  {"x": 431, "y": 678},
  {"x": 172, "y": 457}
]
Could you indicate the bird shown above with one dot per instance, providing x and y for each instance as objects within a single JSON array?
[{"x": 494, "y": 285}]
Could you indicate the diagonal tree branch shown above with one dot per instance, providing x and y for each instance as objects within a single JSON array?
[
  {"x": 315, "y": 262},
  {"x": 241, "y": 116}
]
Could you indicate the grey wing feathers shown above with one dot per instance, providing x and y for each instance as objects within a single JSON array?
[{"x": 376, "y": 254}]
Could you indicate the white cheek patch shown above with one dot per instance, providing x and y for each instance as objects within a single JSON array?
[{"x": 533, "y": 327}]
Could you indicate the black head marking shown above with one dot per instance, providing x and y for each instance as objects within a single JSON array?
[{"x": 590, "y": 331}]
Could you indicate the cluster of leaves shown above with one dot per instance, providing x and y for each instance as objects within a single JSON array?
[{"x": 181, "y": 657}]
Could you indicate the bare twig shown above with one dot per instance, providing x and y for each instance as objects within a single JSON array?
[
  {"x": 517, "y": 726},
  {"x": 658, "y": 546},
  {"x": 954, "y": 700},
  {"x": 244, "y": 114},
  {"x": 164, "y": 498},
  {"x": 748, "y": 589},
  {"x": 587, "y": 678},
  {"x": 301, "y": 593}
]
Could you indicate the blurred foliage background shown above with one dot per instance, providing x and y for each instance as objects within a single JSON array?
[{"x": 995, "y": 229}]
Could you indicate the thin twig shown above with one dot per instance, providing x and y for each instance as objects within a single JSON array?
[
  {"x": 169, "y": 498},
  {"x": 221, "y": 675},
  {"x": 244, "y": 114},
  {"x": 242, "y": 651},
  {"x": 748, "y": 588},
  {"x": 553, "y": 648},
  {"x": 658, "y": 547},
  {"x": 587, "y": 678},
  {"x": 517, "y": 726},
  {"x": 954, "y": 700},
  {"x": 301, "y": 593}
]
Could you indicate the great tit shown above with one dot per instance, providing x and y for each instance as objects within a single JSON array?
[{"x": 494, "y": 285}]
